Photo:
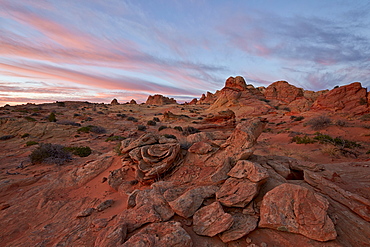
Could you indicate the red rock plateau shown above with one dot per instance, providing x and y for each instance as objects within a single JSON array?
[{"x": 244, "y": 166}]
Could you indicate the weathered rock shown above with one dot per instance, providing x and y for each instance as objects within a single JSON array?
[
  {"x": 222, "y": 116},
  {"x": 145, "y": 139},
  {"x": 104, "y": 205},
  {"x": 161, "y": 235},
  {"x": 208, "y": 99},
  {"x": 114, "y": 236},
  {"x": 357, "y": 203},
  {"x": 158, "y": 99},
  {"x": 211, "y": 220},
  {"x": 116, "y": 178},
  {"x": 169, "y": 116},
  {"x": 283, "y": 91},
  {"x": 296, "y": 209},
  {"x": 188, "y": 203},
  {"x": 114, "y": 102},
  {"x": 221, "y": 172},
  {"x": 240, "y": 144},
  {"x": 154, "y": 160},
  {"x": 349, "y": 98},
  {"x": 200, "y": 148},
  {"x": 86, "y": 212},
  {"x": 236, "y": 83},
  {"x": 237, "y": 192},
  {"x": 243, "y": 224},
  {"x": 133, "y": 102},
  {"x": 250, "y": 170},
  {"x": 148, "y": 206}
]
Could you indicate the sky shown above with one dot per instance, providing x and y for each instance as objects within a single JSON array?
[{"x": 97, "y": 50}]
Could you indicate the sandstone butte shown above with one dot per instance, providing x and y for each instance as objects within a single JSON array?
[{"x": 243, "y": 166}]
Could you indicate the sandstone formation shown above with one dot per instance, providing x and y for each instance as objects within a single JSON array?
[
  {"x": 351, "y": 98},
  {"x": 293, "y": 208},
  {"x": 133, "y": 102},
  {"x": 114, "y": 102},
  {"x": 283, "y": 91},
  {"x": 158, "y": 99}
]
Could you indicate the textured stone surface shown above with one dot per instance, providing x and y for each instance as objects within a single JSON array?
[
  {"x": 200, "y": 148},
  {"x": 158, "y": 99},
  {"x": 283, "y": 91},
  {"x": 211, "y": 220},
  {"x": 248, "y": 169},
  {"x": 293, "y": 208},
  {"x": 237, "y": 192},
  {"x": 243, "y": 224}
]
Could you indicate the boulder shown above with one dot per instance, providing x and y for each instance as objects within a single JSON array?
[
  {"x": 240, "y": 144},
  {"x": 114, "y": 236},
  {"x": 161, "y": 235},
  {"x": 236, "y": 192},
  {"x": 145, "y": 139},
  {"x": 159, "y": 100},
  {"x": 293, "y": 208},
  {"x": 211, "y": 220},
  {"x": 200, "y": 148},
  {"x": 237, "y": 83},
  {"x": 148, "y": 206},
  {"x": 243, "y": 224},
  {"x": 154, "y": 160},
  {"x": 250, "y": 170},
  {"x": 133, "y": 102},
  {"x": 188, "y": 203}
]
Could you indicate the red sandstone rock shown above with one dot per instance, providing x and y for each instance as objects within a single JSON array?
[
  {"x": 200, "y": 148},
  {"x": 114, "y": 236},
  {"x": 243, "y": 224},
  {"x": 295, "y": 209},
  {"x": 211, "y": 220},
  {"x": 114, "y": 102},
  {"x": 283, "y": 91},
  {"x": 250, "y": 170},
  {"x": 133, "y": 102},
  {"x": 160, "y": 235},
  {"x": 159, "y": 100},
  {"x": 349, "y": 98}
]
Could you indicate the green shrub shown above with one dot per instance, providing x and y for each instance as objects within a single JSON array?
[
  {"x": 30, "y": 119},
  {"x": 131, "y": 119},
  {"x": 25, "y": 135},
  {"x": 141, "y": 127},
  {"x": 92, "y": 128},
  {"x": 365, "y": 117},
  {"x": 190, "y": 130},
  {"x": 68, "y": 122},
  {"x": 335, "y": 141},
  {"x": 79, "y": 151},
  {"x": 114, "y": 138},
  {"x": 294, "y": 118},
  {"x": 121, "y": 115},
  {"x": 151, "y": 123},
  {"x": 341, "y": 123},
  {"x": 363, "y": 101},
  {"x": 162, "y": 128},
  {"x": 179, "y": 128},
  {"x": 368, "y": 152},
  {"x": 31, "y": 143},
  {"x": 170, "y": 136},
  {"x": 156, "y": 119},
  {"x": 303, "y": 140},
  {"x": 50, "y": 153},
  {"x": 61, "y": 104},
  {"x": 319, "y": 123},
  {"x": 52, "y": 117}
]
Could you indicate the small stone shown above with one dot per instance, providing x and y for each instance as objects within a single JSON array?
[
  {"x": 104, "y": 205},
  {"x": 86, "y": 212}
]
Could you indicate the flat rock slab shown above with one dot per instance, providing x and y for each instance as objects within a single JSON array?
[
  {"x": 243, "y": 224},
  {"x": 248, "y": 169}
]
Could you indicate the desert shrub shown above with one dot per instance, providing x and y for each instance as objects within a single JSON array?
[
  {"x": 336, "y": 141},
  {"x": 50, "y": 153},
  {"x": 179, "y": 128},
  {"x": 25, "y": 135},
  {"x": 88, "y": 119},
  {"x": 114, "y": 138},
  {"x": 131, "y": 119},
  {"x": 92, "y": 128},
  {"x": 68, "y": 122},
  {"x": 35, "y": 114},
  {"x": 79, "y": 151},
  {"x": 151, "y": 123},
  {"x": 282, "y": 122},
  {"x": 52, "y": 117},
  {"x": 267, "y": 130},
  {"x": 170, "y": 136},
  {"x": 368, "y": 152},
  {"x": 185, "y": 145},
  {"x": 30, "y": 119},
  {"x": 294, "y": 118},
  {"x": 303, "y": 140},
  {"x": 6, "y": 137},
  {"x": 286, "y": 109},
  {"x": 341, "y": 123},
  {"x": 76, "y": 115},
  {"x": 141, "y": 127},
  {"x": 121, "y": 115},
  {"x": 100, "y": 112},
  {"x": 61, "y": 104},
  {"x": 319, "y": 122},
  {"x": 156, "y": 119},
  {"x": 162, "y": 127},
  {"x": 31, "y": 143},
  {"x": 190, "y": 130},
  {"x": 265, "y": 100}
]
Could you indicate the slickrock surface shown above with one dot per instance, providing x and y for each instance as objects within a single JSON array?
[{"x": 242, "y": 166}]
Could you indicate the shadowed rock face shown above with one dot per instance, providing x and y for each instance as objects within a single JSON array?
[{"x": 159, "y": 100}]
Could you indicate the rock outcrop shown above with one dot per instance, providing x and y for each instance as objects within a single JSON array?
[
  {"x": 158, "y": 99},
  {"x": 283, "y": 91},
  {"x": 114, "y": 102},
  {"x": 350, "y": 98}
]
